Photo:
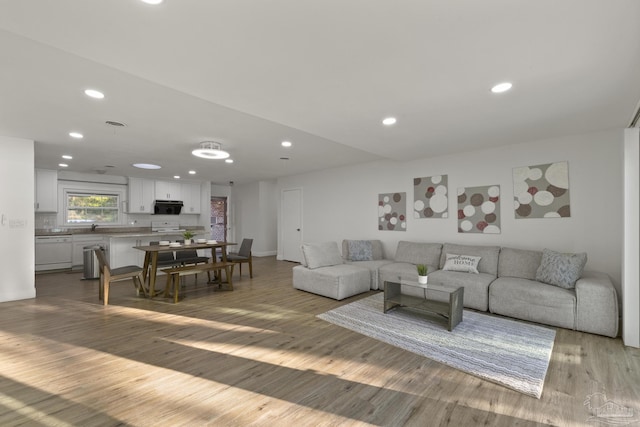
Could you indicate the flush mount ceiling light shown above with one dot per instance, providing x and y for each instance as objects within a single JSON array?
[
  {"x": 76, "y": 135},
  {"x": 501, "y": 87},
  {"x": 229, "y": 161},
  {"x": 145, "y": 166},
  {"x": 94, "y": 93},
  {"x": 210, "y": 150},
  {"x": 154, "y": 2},
  {"x": 286, "y": 144},
  {"x": 389, "y": 121}
]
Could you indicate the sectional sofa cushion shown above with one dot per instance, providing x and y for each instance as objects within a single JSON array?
[
  {"x": 476, "y": 286},
  {"x": 533, "y": 301},
  {"x": 337, "y": 281},
  {"x": 519, "y": 263},
  {"x": 362, "y": 250},
  {"x": 419, "y": 253},
  {"x": 488, "y": 254},
  {"x": 560, "y": 269},
  {"x": 318, "y": 255}
]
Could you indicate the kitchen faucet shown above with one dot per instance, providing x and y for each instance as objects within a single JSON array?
[{"x": 93, "y": 227}]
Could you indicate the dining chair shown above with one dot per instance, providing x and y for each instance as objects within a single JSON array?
[
  {"x": 243, "y": 256},
  {"x": 165, "y": 259},
  {"x": 108, "y": 275},
  {"x": 190, "y": 256}
]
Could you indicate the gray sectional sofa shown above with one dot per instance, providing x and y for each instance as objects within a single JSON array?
[{"x": 507, "y": 282}]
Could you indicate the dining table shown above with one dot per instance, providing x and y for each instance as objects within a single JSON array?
[{"x": 150, "y": 266}]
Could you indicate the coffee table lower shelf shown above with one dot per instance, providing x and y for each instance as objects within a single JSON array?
[{"x": 448, "y": 310}]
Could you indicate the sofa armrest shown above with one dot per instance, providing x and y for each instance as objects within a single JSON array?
[{"x": 596, "y": 304}]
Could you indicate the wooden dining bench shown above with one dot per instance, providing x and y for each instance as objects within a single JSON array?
[{"x": 175, "y": 273}]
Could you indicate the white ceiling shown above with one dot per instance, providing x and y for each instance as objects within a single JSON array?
[{"x": 321, "y": 74}]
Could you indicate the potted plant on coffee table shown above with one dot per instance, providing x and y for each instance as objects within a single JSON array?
[
  {"x": 422, "y": 273},
  {"x": 188, "y": 235}
]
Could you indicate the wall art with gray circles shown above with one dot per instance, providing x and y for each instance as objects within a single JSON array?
[
  {"x": 541, "y": 191},
  {"x": 392, "y": 212},
  {"x": 431, "y": 197},
  {"x": 479, "y": 209}
]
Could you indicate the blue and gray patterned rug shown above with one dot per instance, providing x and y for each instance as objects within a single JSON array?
[{"x": 507, "y": 352}]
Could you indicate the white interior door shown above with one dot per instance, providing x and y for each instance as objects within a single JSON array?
[{"x": 291, "y": 225}]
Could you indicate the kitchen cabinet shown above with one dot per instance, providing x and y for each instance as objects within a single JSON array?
[
  {"x": 46, "y": 190},
  {"x": 141, "y": 195},
  {"x": 166, "y": 190},
  {"x": 121, "y": 251},
  {"x": 191, "y": 198},
  {"x": 79, "y": 242}
]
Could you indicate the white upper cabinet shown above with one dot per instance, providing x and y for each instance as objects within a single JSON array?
[
  {"x": 46, "y": 190},
  {"x": 166, "y": 190},
  {"x": 141, "y": 195},
  {"x": 191, "y": 198}
]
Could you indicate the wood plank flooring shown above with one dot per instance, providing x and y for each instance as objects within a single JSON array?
[{"x": 259, "y": 356}]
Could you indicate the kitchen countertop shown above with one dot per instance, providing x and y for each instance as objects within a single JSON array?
[{"x": 114, "y": 231}]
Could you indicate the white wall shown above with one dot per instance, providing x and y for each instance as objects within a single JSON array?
[
  {"x": 255, "y": 215},
  {"x": 342, "y": 203},
  {"x": 631, "y": 220},
  {"x": 17, "y": 254}
]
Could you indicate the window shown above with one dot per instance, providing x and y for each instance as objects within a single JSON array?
[{"x": 88, "y": 208}]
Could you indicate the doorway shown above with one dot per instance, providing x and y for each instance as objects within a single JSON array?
[
  {"x": 291, "y": 224},
  {"x": 219, "y": 219}
]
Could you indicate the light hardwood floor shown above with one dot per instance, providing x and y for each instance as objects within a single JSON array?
[{"x": 259, "y": 356}]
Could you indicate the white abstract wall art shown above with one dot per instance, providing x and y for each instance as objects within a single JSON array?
[
  {"x": 479, "y": 209},
  {"x": 392, "y": 212},
  {"x": 541, "y": 191},
  {"x": 430, "y": 197}
]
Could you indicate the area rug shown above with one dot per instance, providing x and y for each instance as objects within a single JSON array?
[{"x": 507, "y": 352}]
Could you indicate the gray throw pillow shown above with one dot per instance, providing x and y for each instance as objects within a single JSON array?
[
  {"x": 560, "y": 269},
  {"x": 360, "y": 250}
]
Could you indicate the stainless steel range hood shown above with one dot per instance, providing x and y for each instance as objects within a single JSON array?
[{"x": 167, "y": 207}]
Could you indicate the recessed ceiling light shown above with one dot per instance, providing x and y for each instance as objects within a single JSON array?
[
  {"x": 176, "y": 176},
  {"x": 154, "y": 2},
  {"x": 229, "y": 161},
  {"x": 389, "y": 121},
  {"x": 192, "y": 172},
  {"x": 76, "y": 135},
  {"x": 66, "y": 156},
  {"x": 94, "y": 93},
  {"x": 63, "y": 165},
  {"x": 286, "y": 144},
  {"x": 501, "y": 87},
  {"x": 146, "y": 166}
]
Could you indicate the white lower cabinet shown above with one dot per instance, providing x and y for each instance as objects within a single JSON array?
[{"x": 122, "y": 252}]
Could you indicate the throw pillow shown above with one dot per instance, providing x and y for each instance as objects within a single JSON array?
[
  {"x": 462, "y": 263},
  {"x": 560, "y": 269},
  {"x": 321, "y": 254},
  {"x": 360, "y": 250}
]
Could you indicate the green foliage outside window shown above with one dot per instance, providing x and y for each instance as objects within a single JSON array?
[{"x": 92, "y": 209}]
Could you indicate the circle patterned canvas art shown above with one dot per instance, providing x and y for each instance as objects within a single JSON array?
[
  {"x": 479, "y": 209},
  {"x": 541, "y": 191}
]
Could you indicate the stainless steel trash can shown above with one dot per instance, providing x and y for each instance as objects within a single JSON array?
[{"x": 91, "y": 268}]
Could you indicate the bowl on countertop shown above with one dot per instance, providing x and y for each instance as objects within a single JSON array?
[
  {"x": 212, "y": 242},
  {"x": 164, "y": 242},
  {"x": 201, "y": 240}
]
